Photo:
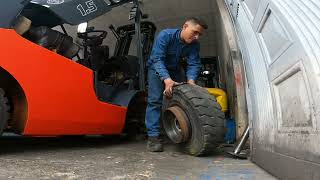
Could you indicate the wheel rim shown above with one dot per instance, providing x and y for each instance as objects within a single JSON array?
[{"x": 176, "y": 124}]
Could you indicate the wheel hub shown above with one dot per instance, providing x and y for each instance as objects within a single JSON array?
[{"x": 176, "y": 124}]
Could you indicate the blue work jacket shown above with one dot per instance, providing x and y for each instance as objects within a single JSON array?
[{"x": 167, "y": 52}]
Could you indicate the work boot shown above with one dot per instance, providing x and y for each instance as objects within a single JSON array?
[{"x": 154, "y": 144}]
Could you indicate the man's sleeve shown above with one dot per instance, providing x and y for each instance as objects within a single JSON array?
[
  {"x": 158, "y": 54},
  {"x": 194, "y": 63}
]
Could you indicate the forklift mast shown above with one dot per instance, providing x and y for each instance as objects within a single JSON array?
[{"x": 125, "y": 35}]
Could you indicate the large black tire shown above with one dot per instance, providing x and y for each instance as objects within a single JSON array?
[
  {"x": 204, "y": 115},
  {"x": 4, "y": 110}
]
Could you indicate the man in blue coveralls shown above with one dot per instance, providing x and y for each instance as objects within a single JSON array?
[{"x": 164, "y": 70}]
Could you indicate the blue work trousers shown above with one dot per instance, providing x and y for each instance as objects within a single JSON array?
[{"x": 155, "y": 97}]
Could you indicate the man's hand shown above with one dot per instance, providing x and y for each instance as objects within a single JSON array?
[
  {"x": 191, "y": 81},
  {"x": 168, "y": 87}
]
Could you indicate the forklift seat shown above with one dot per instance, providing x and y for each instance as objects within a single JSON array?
[{"x": 53, "y": 40}]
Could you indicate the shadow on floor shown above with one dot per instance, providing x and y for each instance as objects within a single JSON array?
[{"x": 16, "y": 144}]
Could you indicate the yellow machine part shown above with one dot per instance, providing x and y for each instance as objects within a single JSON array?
[{"x": 221, "y": 97}]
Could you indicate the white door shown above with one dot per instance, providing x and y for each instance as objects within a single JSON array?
[{"x": 280, "y": 43}]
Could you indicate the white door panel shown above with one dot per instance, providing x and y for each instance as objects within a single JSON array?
[{"x": 280, "y": 43}]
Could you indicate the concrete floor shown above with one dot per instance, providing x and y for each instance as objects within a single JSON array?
[{"x": 112, "y": 158}]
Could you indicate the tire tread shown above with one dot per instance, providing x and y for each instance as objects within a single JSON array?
[{"x": 209, "y": 114}]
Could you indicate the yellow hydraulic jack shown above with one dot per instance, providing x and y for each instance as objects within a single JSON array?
[{"x": 221, "y": 97}]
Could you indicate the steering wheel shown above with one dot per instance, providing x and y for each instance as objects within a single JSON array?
[{"x": 88, "y": 35}]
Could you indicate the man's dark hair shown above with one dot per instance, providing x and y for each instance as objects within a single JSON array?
[{"x": 198, "y": 21}]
